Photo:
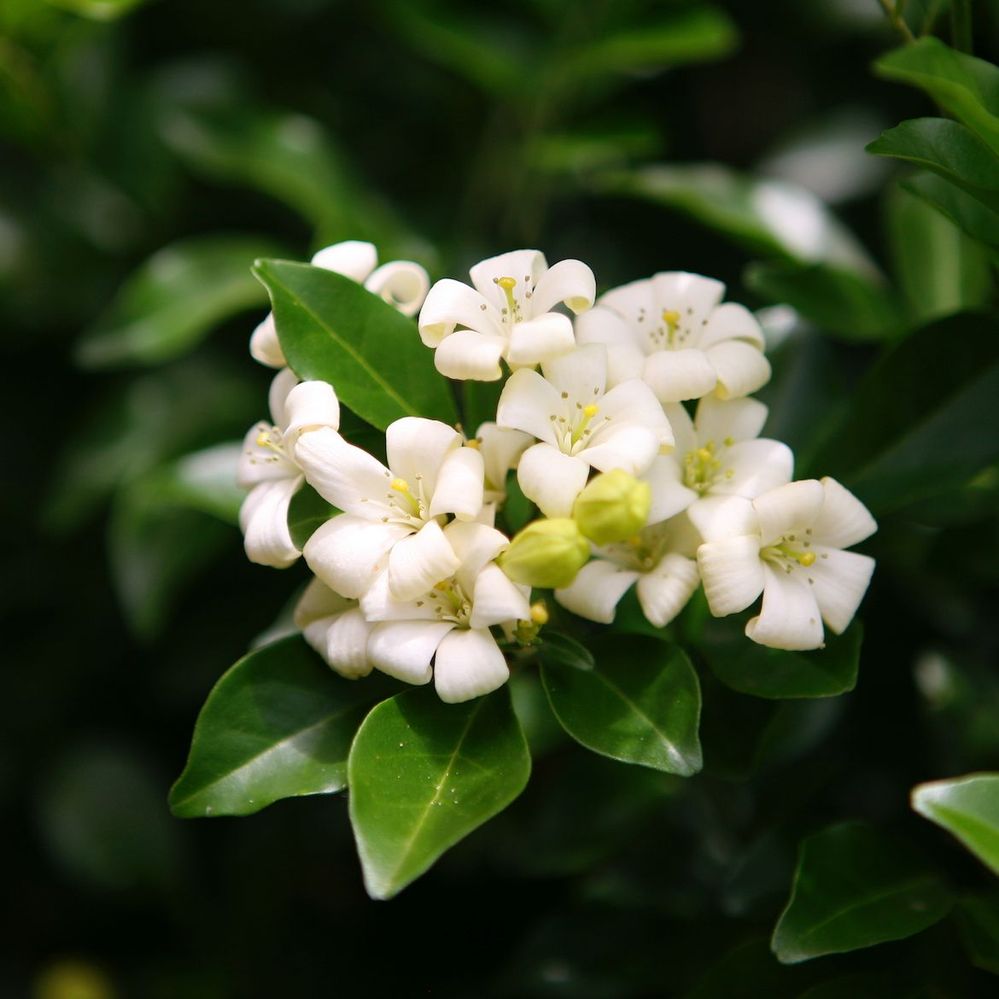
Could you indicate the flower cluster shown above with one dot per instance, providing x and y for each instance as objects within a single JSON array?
[{"x": 627, "y": 422}]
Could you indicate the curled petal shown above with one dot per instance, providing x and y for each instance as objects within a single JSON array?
[
  {"x": 450, "y": 303},
  {"x": 527, "y": 403},
  {"x": 471, "y": 356},
  {"x": 843, "y": 520},
  {"x": 669, "y": 495},
  {"x": 732, "y": 572},
  {"x": 351, "y": 258},
  {"x": 597, "y": 590},
  {"x": 731, "y": 321},
  {"x": 475, "y": 545},
  {"x": 277, "y": 394},
  {"x": 264, "y": 344},
  {"x": 378, "y": 604},
  {"x": 264, "y": 520},
  {"x": 789, "y": 618},
  {"x": 401, "y": 283},
  {"x": 718, "y": 518},
  {"x": 524, "y": 266},
  {"x": 675, "y": 375},
  {"x": 754, "y": 467},
  {"x": 740, "y": 419},
  {"x": 459, "y": 488},
  {"x": 839, "y": 581},
  {"x": 629, "y": 447},
  {"x": 468, "y": 664},
  {"x": 497, "y": 599},
  {"x": 632, "y": 402},
  {"x": 347, "y": 552},
  {"x": 403, "y": 649},
  {"x": 501, "y": 449},
  {"x": 551, "y": 479},
  {"x": 625, "y": 353},
  {"x": 569, "y": 281},
  {"x": 417, "y": 447},
  {"x": 343, "y": 642},
  {"x": 344, "y": 475},
  {"x": 309, "y": 406},
  {"x": 664, "y": 591},
  {"x": 319, "y": 601},
  {"x": 788, "y": 508},
  {"x": 740, "y": 367},
  {"x": 420, "y": 560},
  {"x": 534, "y": 341}
]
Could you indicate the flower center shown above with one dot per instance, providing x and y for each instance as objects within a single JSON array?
[
  {"x": 272, "y": 440},
  {"x": 512, "y": 311},
  {"x": 450, "y": 602},
  {"x": 789, "y": 551},
  {"x": 702, "y": 467},
  {"x": 643, "y": 552},
  {"x": 573, "y": 431},
  {"x": 410, "y": 506}
]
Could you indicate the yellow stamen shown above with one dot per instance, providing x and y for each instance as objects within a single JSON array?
[
  {"x": 672, "y": 320},
  {"x": 507, "y": 283},
  {"x": 539, "y": 612},
  {"x": 591, "y": 410},
  {"x": 806, "y": 559},
  {"x": 400, "y": 485},
  {"x": 474, "y": 443},
  {"x": 263, "y": 438}
]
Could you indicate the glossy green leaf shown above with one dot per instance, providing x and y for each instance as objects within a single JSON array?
[
  {"x": 978, "y": 922},
  {"x": 424, "y": 774},
  {"x": 307, "y": 512},
  {"x": 948, "y": 148},
  {"x": 772, "y": 217},
  {"x": 965, "y": 86},
  {"x": 332, "y": 328},
  {"x": 641, "y": 704},
  {"x": 977, "y": 220},
  {"x": 853, "y": 306},
  {"x": 939, "y": 269},
  {"x": 277, "y": 725},
  {"x": 562, "y": 650},
  {"x": 931, "y": 436},
  {"x": 853, "y": 888},
  {"x": 175, "y": 299},
  {"x": 772, "y": 673},
  {"x": 968, "y": 808}
]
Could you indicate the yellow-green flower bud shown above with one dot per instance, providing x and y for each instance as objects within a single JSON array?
[
  {"x": 613, "y": 507},
  {"x": 546, "y": 553}
]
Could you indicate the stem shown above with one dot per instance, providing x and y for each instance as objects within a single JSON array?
[
  {"x": 960, "y": 25},
  {"x": 894, "y": 12}
]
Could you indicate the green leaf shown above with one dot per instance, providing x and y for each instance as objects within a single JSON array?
[
  {"x": 277, "y": 725},
  {"x": 968, "y": 808},
  {"x": 939, "y": 269},
  {"x": 332, "y": 328},
  {"x": 947, "y": 148},
  {"x": 977, "y": 220},
  {"x": 561, "y": 650},
  {"x": 307, "y": 512},
  {"x": 855, "y": 888},
  {"x": 853, "y": 306},
  {"x": 965, "y": 86},
  {"x": 772, "y": 217},
  {"x": 753, "y": 669},
  {"x": 98, "y": 10},
  {"x": 424, "y": 774},
  {"x": 978, "y": 922},
  {"x": 915, "y": 425},
  {"x": 641, "y": 704},
  {"x": 175, "y": 299}
]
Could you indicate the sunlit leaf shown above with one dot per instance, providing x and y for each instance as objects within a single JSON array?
[
  {"x": 424, "y": 774},
  {"x": 968, "y": 808}
]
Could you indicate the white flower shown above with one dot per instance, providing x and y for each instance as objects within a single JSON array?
[
  {"x": 671, "y": 331},
  {"x": 401, "y": 283},
  {"x": 390, "y": 514},
  {"x": 501, "y": 449},
  {"x": 449, "y": 621},
  {"x": 507, "y": 314},
  {"x": 716, "y": 455},
  {"x": 579, "y": 426},
  {"x": 268, "y": 468},
  {"x": 335, "y": 627},
  {"x": 788, "y": 545},
  {"x": 659, "y": 559}
]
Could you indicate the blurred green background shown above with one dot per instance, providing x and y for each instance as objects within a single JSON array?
[{"x": 632, "y": 134}]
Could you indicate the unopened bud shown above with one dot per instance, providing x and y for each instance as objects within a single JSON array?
[
  {"x": 546, "y": 553},
  {"x": 613, "y": 507}
]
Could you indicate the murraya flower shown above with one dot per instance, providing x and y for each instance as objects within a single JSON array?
[
  {"x": 336, "y": 628},
  {"x": 673, "y": 331},
  {"x": 506, "y": 314},
  {"x": 269, "y": 469},
  {"x": 579, "y": 425},
  {"x": 401, "y": 283},
  {"x": 444, "y": 631},
  {"x": 501, "y": 449},
  {"x": 717, "y": 454},
  {"x": 787, "y": 544},
  {"x": 658, "y": 561},
  {"x": 392, "y": 515}
]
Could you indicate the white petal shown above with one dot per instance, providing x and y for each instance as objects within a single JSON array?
[
  {"x": 685, "y": 437},
  {"x": 417, "y": 562},
  {"x": 378, "y": 604},
  {"x": 501, "y": 449},
  {"x": 788, "y": 508},
  {"x": 625, "y": 356},
  {"x": 581, "y": 373},
  {"x": 264, "y": 344},
  {"x": 569, "y": 281},
  {"x": 843, "y": 520},
  {"x": 319, "y": 601},
  {"x": 634, "y": 302},
  {"x": 277, "y": 394},
  {"x": 731, "y": 321},
  {"x": 403, "y": 649},
  {"x": 459, "y": 486},
  {"x": 669, "y": 495},
  {"x": 415, "y": 447},
  {"x": 720, "y": 517},
  {"x": 533, "y": 341},
  {"x": 631, "y": 402},
  {"x": 675, "y": 375},
  {"x": 343, "y": 643},
  {"x": 527, "y": 403},
  {"x": 347, "y": 552},
  {"x": 468, "y": 664},
  {"x": 472, "y": 356},
  {"x": 596, "y": 590},
  {"x": 681, "y": 290},
  {"x": 258, "y": 463},
  {"x": 750, "y": 468},
  {"x": 474, "y": 544},
  {"x": 551, "y": 479},
  {"x": 264, "y": 520},
  {"x": 790, "y": 617},
  {"x": 664, "y": 591},
  {"x": 351, "y": 258},
  {"x": 309, "y": 406},
  {"x": 344, "y": 475},
  {"x": 740, "y": 367},
  {"x": 630, "y": 447},
  {"x": 400, "y": 283},
  {"x": 740, "y": 419},
  {"x": 449, "y": 304},
  {"x": 732, "y": 573},
  {"x": 840, "y": 580},
  {"x": 526, "y": 268},
  {"x": 496, "y": 598}
]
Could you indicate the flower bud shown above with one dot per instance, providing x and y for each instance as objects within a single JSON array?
[
  {"x": 546, "y": 553},
  {"x": 613, "y": 507}
]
